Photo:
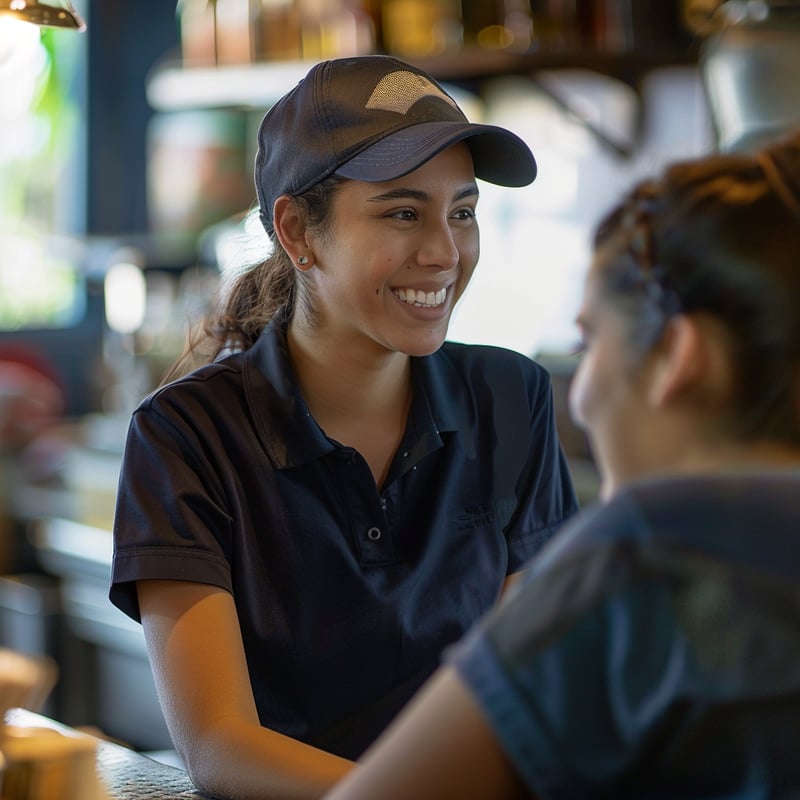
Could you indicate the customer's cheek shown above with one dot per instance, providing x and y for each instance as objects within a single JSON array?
[{"x": 580, "y": 395}]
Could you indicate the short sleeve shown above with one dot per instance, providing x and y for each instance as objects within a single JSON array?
[
  {"x": 575, "y": 673},
  {"x": 170, "y": 515}
]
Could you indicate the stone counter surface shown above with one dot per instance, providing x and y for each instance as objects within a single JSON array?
[{"x": 126, "y": 774}]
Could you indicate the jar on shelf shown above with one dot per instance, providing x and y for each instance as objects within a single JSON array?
[{"x": 749, "y": 64}]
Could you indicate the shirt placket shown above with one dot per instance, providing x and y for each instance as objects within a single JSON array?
[{"x": 365, "y": 509}]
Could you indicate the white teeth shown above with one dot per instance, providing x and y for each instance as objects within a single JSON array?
[{"x": 416, "y": 297}]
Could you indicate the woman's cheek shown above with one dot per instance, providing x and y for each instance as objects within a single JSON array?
[{"x": 469, "y": 261}]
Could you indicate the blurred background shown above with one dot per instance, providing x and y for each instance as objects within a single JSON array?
[{"x": 126, "y": 152}]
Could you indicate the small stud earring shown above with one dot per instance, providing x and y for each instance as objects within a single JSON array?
[{"x": 302, "y": 261}]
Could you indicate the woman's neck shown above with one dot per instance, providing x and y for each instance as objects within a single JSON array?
[
  {"x": 359, "y": 396},
  {"x": 348, "y": 379},
  {"x": 702, "y": 458}
]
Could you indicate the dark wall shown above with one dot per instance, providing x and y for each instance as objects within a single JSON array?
[{"x": 125, "y": 40}]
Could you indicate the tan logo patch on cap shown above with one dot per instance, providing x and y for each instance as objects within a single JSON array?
[{"x": 398, "y": 91}]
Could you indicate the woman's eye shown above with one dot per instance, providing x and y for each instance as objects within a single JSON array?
[
  {"x": 465, "y": 214},
  {"x": 404, "y": 214}
]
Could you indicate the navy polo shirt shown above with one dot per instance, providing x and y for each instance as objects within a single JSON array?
[
  {"x": 346, "y": 594},
  {"x": 653, "y": 650}
]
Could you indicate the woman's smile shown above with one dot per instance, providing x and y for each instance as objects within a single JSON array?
[{"x": 420, "y": 298}]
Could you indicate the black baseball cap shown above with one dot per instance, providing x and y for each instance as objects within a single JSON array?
[{"x": 373, "y": 118}]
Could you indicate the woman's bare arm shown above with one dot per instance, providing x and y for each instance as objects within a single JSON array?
[
  {"x": 439, "y": 747},
  {"x": 195, "y": 648}
]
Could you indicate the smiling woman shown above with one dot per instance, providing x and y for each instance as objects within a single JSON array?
[{"x": 334, "y": 493}]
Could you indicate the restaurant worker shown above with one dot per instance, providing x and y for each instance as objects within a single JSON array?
[
  {"x": 652, "y": 650},
  {"x": 305, "y": 522}
]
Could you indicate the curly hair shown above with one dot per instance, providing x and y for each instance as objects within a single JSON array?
[{"x": 719, "y": 235}]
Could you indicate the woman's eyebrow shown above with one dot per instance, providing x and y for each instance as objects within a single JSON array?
[
  {"x": 403, "y": 193},
  {"x": 468, "y": 191},
  {"x": 400, "y": 194}
]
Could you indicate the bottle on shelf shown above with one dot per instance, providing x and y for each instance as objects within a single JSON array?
[
  {"x": 334, "y": 29},
  {"x": 234, "y": 31},
  {"x": 421, "y": 28},
  {"x": 197, "y": 32},
  {"x": 279, "y": 31},
  {"x": 637, "y": 25},
  {"x": 557, "y": 24},
  {"x": 498, "y": 25}
]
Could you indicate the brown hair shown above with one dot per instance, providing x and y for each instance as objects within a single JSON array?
[
  {"x": 241, "y": 310},
  {"x": 719, "y": 235}
]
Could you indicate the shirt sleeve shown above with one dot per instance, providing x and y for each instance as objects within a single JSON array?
[
  {"x": 170, "y": 521},
  {"x": 575, "y": 674}
]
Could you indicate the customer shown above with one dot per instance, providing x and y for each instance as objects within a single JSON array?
[
  {"x": 304, "y": 524},
  {"x": 653, "y": 649}
]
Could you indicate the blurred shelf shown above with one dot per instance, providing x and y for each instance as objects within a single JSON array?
[
  {"x": 472, "y": 64},
  {"x": 172, "y": 86}
]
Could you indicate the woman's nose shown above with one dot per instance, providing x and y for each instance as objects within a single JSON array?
[{"x": 439, "y": 247}]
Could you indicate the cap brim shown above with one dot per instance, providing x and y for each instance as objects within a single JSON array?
[{"x": 499, "y": 155}]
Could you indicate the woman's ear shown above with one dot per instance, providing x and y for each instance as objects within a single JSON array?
[
  {"x": 682, "y": 361},
  {"x": 290, "y": 229}
]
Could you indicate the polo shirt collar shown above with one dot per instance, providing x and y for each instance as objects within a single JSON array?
[{"x": 283, "y": 421}]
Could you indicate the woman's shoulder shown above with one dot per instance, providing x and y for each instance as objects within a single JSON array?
[
  {"x": 662, "y": 535},
  {"x": 490, "y": 358},
  {"x": 746, "y": 518},
  {"x": 487, "y": 377},
  {"x": 210, "y": 382},
  {"x": 489, "y": 352}
]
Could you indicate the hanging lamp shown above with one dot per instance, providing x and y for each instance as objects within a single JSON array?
[{"x": 58, "y": 14}]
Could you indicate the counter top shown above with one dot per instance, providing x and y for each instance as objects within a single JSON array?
[{"x": 126, "y": 774}]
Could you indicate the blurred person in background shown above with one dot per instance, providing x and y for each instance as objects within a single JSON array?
[
  {"x": 30, "y": 401},
  {"x": 652, "y": 649},
  {"x": 304, "y": 522}
]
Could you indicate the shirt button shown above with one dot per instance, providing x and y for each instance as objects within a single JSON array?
[{"x": 373, "y": 534}]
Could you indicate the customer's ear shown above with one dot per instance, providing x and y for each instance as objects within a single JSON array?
[{"x": 681, "y": 361}]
